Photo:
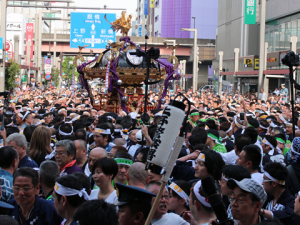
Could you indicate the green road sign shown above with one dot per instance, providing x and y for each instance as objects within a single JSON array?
[{"x": 250, "y": 11}]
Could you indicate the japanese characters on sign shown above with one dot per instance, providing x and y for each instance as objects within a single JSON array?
[
  {"x": 160, "y": 130},
  {"x": 91, "y": 29},
  {"x": 250, "y": 11}
]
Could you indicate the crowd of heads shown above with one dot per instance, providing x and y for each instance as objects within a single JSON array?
[{"x": 80, "y": 162}]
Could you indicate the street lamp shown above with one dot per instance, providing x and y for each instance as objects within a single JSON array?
[
  {"x": 194, "y": 18},
  {"x": 195, "y": 58}
]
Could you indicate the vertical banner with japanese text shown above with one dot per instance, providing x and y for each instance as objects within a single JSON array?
[
  {"x": 146, "y": 8},
  {"x": 29, "y": 37},
  {"x": 250, "y": 11}
]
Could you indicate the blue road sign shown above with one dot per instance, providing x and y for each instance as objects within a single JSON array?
[
  {"x": 47, "y": 76},
  {"x": 47, "y": 60},
  {"x": 140, "y": 30},
  {"x": 1, "y": 43},
  {"x": 91, "y": 29}
]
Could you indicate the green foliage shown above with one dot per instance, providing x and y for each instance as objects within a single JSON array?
[
  {"x": 68, "y": 68},
  {"x": 55, "y": 76},
  {"x": 11, "y": 72}
]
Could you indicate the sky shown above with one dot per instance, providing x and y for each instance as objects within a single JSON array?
[{"x": 130, "y": 5}]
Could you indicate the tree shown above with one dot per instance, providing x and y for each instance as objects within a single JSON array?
[
  {"x": 68, "y": 68},
  {"x": 11, "y": 72},
  {"x": 55, "y": 76}
]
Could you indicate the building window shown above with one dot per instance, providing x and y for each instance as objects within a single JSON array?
[
  {"x": 156, "y": 34},
  {"x": 156, "y": 3},
  {"x": 156, "y": 19}
]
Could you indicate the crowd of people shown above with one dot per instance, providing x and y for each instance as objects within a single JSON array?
[{"x": 63, "y": 161}]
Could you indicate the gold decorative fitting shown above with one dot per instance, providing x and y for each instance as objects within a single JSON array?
[
  {"x": 100, "y": 72},
  {"x": 122, "y": 24},
  {"x": 172, "y": 57}
]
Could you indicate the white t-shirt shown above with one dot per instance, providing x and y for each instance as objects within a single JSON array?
[
  {"x": 262, "y": 154},
  {"x": 169, "y": 218},
  {"x": 258, "y": 177},
  {"x": 87, "y": 170},
  {"x": 229, "y": 158},
  {"x": 112, "y": 198},
  {"x": 132, "y": 149}
]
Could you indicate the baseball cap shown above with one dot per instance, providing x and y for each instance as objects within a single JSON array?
[
  {"x": 127, "y": 194},
  {"x": 250, "y": 186}
]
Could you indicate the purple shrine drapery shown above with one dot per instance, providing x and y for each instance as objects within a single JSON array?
[{"x": 115, "y": 77}]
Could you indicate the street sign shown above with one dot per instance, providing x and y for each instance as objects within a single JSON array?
[
  {"x": 48, "y": 77},
  {"x": 91, "y": 29},
  {"x": 256, "y": 63},
  {"x": 48, "y": 69},
  {"x": 48, "y": 61},
  {"x": 248, "y": 62},
  {"x": 250, "y": 11}
]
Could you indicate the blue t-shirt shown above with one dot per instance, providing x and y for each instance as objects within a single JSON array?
[
  {"x": 7, "y": 191},
  {"x": 26, "y": 161}
]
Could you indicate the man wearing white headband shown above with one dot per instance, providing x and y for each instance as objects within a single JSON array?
[
  {"x": 201, "y": 211},
  {"x": 102, "y": 136},
  {"x": 269, "y": 145},
  {"x": 263, "y": 128},
  {"x": 161, "y": 215},
  {"x": 24, "y": 119},
  {"x": 63, "y": 111},
  {"x": 179, "y": 197},
  {"x": 280, "y": 203},
  {"x": 69, "y": 193}
]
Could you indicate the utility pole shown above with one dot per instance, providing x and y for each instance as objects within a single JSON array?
[
  {"x": 195, "y": 58},
  {"x": 3, "y": 35},
  {"x": 293, "y": 47},
  {"x": 262, "y": 45},
  {"x": 236, "y": 68},
  {"x": 220, "y": 70}
]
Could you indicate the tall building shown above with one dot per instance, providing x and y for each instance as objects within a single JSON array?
[
  {"x": 282, "y": 22},
  {"x": 172, "y": 15},
  {"x": 140, "y": 18},
  {"x": 169, "y": 16}
]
